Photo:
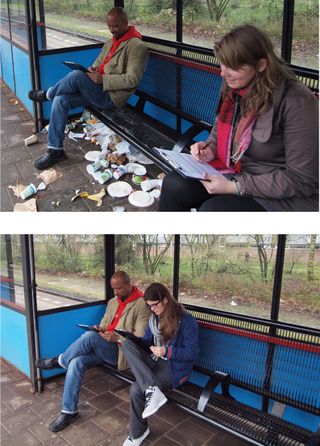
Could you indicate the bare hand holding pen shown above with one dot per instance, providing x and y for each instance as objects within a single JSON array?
[{"x": 203, "y": 151}]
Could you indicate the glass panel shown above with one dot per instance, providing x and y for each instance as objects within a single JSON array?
[
  {"x": 228, "y": 272},
  {"x": 11, "y": 270},
  {"x": 300, "y": 296},
  {"x": 154, "y": 18},
  {"x": 69, "y": 269},
  {"x": 15, "y": 12},
  {"x": 75, "y": 22},
  {"x": 206, "y": 22},
  {"x": 305, "y": 45},
  {"x": 146, "y": 258}
]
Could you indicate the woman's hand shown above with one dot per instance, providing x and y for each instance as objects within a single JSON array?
[
  {"x": 203, "y": 151},
  {"x": 158, "y": 351},
  {"x": 219, "y": 185}
]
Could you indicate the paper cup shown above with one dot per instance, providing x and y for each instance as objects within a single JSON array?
[
  {"x": 31, "y": 140},
  {"x": 120, "y": 170},
  {"x": 28, "y": 191},
  {"x": 150, "y": 184},
  {"x": 91, "y": 168},
  {"x": 105, "y": 176}
]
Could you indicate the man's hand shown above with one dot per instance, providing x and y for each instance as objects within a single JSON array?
[
  {"x": 203, "y": 151},
  {"x": 109, "y": 336},
  {"x": 95, "y": 76},
  {"x": 158, "y": 351},
  {"x": 219, "y": 185},
  {"x": 92, "y": 69}
]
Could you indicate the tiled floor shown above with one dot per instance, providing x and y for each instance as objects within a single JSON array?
[
  {"x": 104, "y": 408},
  {"x": 17, "y": 165}
]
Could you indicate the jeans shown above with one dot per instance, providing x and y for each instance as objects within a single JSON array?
[
  {"x": 147, "y": 373},
  {"x": 87, "y": 351},
  {"x": 74, "y": 90},
  {"x": 180, "y": 194}
]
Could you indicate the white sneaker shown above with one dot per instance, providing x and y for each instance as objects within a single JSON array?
[
  {"x": 136, "y": 441},
  {"x": 154, "y": 400}
]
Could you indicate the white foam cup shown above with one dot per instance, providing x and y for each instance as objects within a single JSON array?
[
  {"x": 31, "y": 140},
  {"x": 150, "y": 184}
]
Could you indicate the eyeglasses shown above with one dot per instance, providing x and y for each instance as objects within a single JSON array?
[{"x": 153, "y": 306}]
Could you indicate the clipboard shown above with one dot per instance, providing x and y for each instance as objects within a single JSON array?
[
  {"x": 75, "y": 66},
  {"x": 138, "y": 341},
  {"x": 186, "y": 165}
]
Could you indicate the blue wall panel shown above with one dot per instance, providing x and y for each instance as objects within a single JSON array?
[
  {"x": 6, "y": 63},
  {"x": 14, "y": 339},
  {"x": 23, "y": 78},
  {"x": 52, "y": 69},
  {"x": 58, "y": 330}
]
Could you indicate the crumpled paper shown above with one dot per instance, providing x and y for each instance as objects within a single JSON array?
[
  {"x": 17, "y": 189},
  {"x": 49, "y": 176},
  {"x": 28, "y": 206}
]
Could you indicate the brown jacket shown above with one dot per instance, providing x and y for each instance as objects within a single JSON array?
[
  {"x": 280, "y": 168},
  {"x": 124, "y": 70},
  {"x": 134, "y": 318}
]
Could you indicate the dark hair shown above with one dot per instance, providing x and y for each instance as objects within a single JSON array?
[
  {"x": 123, "y": 276},
  {"x": 247, "y": 45},
  {"x": 173, "y": 310},
  {"x": 120, "y": 12}
]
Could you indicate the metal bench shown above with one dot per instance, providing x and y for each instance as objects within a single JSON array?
[
  {"x": 252, "y": 378},
  {"x": 175, "y": 101}
]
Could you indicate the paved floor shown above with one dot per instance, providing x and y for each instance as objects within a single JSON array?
[
  {"x": 17, "y": 165},
  {"x": 104, "y": 408}
]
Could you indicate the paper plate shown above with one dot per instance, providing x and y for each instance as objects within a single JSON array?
[
  {"x": 91, "y": 156},
  {"x": 132, "y": 166},
  {"x": 141, "y": 158},
  {"x": 119, "y": 189},
  {"x": 141, "y": 199}
]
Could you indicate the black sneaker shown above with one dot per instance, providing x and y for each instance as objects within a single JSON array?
[
  {"x": 50, "y": 158},
  {"x": 48, "y": 364},
  {"x": 62, "y": 421},
  {"x": 38, "y": 95}
]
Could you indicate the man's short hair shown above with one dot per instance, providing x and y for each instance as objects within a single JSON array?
[
  {"x": 120, "y": 12},
  {"x": 121, "y": 275}
]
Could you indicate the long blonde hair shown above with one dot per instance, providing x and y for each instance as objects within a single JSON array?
[{"x": 247, "y": 45}]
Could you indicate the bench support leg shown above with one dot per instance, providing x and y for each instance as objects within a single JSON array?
[{"x": 217, "y": 378}]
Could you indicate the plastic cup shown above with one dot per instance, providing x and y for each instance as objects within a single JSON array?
[
  {"x": 28, "y": 191},
  {"x": 104, "y": 163},
  {"x": 150, "y": 184},
  {"x": 91, "y": 168},
  {"x": 31, "y": 140},
  {"x": 120, "y": 170},
  {"x": 105, "y": 176}
]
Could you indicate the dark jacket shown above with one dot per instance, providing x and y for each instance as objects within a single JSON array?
[
  {"x": 182, "y": 351},
  {"x": 280, "y": 168}
]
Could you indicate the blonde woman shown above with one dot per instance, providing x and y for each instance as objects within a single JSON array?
[{"x": 266, "y": 134}]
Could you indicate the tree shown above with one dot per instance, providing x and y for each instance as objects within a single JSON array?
[
  {"x": 216, "y": 9},
  {"x": 153, "y": 249},
  {"x": 202, "y": 248},
  {"x": 264, "y": 260},
  {"x": 312, "y": 249}
]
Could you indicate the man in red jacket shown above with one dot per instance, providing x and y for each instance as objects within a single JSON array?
[{"x": 127, "y": 311}]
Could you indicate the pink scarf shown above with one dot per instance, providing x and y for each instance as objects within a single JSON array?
[{"x": 231, "y": 135}]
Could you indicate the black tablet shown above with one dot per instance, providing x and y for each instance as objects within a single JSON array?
[
  {"x": 87, "y": 327},
  {"x": 75, "y": 66},
  {"x": 139, "y": 341}
]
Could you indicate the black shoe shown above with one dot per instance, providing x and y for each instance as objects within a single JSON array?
[
  {"x": 48, "y": 364},
  {"x": 50, "y": 158},
  {"x": 38, "y": 95},
  {"x": 62, "y": 421}
]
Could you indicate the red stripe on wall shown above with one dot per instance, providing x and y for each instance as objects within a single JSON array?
[{"x": 187, "y": 63}]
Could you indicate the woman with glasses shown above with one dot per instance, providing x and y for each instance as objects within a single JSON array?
[{"x": 172, "y": 334}]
